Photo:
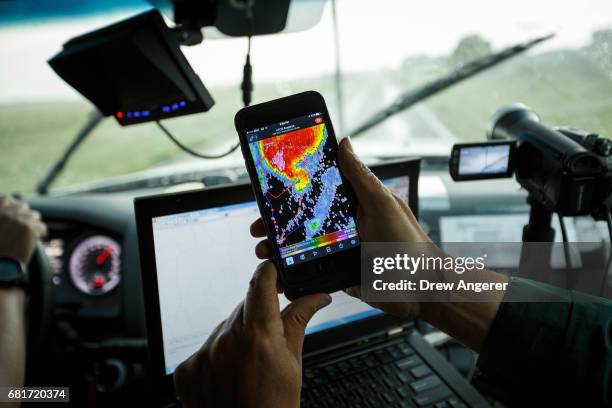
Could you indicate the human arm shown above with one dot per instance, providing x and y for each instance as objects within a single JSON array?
[
  {"x": 554, "y": 352},
  {"x": 12, "y": 337},
  {"x": 20, "y": 228},
  {"x": 562, "y": 347}
]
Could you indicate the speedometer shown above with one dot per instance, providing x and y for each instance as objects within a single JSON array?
[{"x": 95, "y": 265}]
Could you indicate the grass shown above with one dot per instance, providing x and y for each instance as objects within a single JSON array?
[
  {"x": 32, "y": 136},
  {"x": 563, "y": 87}
]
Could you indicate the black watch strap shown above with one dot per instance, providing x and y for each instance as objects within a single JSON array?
[{"x": 12, "y": 274}]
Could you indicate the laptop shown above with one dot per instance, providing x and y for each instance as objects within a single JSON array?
[{"x": 197, "y": 258}]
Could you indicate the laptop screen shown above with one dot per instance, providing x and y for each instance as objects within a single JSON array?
[{"x": 204, "y": 262}]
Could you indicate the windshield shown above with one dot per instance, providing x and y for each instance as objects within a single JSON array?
[{"x": 381, "y": 51}]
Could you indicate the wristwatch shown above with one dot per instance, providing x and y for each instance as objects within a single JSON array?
[{"x": 12, "y": 274}]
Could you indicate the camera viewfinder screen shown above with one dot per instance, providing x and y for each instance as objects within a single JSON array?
[
  {"x": 304, "y": 197},
  {"x": 493, "y": 159}
]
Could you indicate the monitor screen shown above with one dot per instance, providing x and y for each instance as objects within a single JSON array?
[
  {"x": 204, "y": 262},
  {"x": 492, "y": 159}
]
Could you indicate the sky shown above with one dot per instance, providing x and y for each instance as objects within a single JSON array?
[{"x": 373, "y": 35}]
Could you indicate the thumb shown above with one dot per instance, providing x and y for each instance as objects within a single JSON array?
[
  {"x": 296, "y": 316},
  {"x": 354, "y": 291},
  {"x": 367, "y": 187}
]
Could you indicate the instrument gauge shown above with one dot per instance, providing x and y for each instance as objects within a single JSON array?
[{"x": 95, "y": 265}]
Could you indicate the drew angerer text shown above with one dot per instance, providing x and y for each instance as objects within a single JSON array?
[{"x": 426, "y": 285}]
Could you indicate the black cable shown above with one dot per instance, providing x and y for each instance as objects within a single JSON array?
[
  {"x": 247, "y": 79},
  {"x": 563, "y": 230},
  {"x": 249, "y": 34},
  {"x": 604, "y": 280},
  {"x": 566, "y": 253},
  {"x": 247, "y": 70},
  {"x": 247, "y": 91},
  {"x": 193, "y": 152}
]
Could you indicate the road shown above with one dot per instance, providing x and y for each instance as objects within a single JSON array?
[{"x": 416, "y": 131}]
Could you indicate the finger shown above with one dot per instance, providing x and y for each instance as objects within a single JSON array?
[
  {"x": 235, "y": 320},
  {"x": 188, "y": 379},
  {"x": 35, "y": 215},
  {"x": 419, "y": 234},
  {"x": 296, "y": 316},
  {"x": 22, "y": 205},
  {"x": 263, "y": 249},
  {"x": 257, "y": 228},
  {"x": 212, "y": 336},
  {"x": 190, "y": 370},
  {"x": 368, "y": 188},
  {"x": 261, "y": 307},
  {"x": 5, "y": 201},
  {"x": 184, "y": 379},
  {"x": 30, "y": 219},
  {"x": 17, "y": 209},
  {"x": 405, "y": 207},
  {"x": 354, "y": 291},
  {"x": 40, "y": 229}
]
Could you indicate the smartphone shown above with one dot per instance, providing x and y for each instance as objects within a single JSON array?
[{"x": 307, "y": 206}]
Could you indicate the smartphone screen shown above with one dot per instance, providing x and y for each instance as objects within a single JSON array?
[{"x": 305, "y": 198}]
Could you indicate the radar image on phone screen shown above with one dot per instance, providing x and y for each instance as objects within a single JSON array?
[{"x": 303, "y": 191}]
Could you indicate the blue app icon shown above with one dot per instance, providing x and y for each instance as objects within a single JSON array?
[
  {"x": 289, "y": 260},
  {"x": 302, "y": 257}
]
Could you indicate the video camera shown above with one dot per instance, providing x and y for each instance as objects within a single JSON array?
[{"x": 564, "y": 170}]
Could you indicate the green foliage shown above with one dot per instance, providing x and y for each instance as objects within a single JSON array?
[
  {"x": 564, "y": 87},
  {"x": 470, "y": 48},
  {"x": 600, "y": 50}
]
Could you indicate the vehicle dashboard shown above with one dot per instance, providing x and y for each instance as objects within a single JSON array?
[
  {"x": 83, "y": 226},
  {"x": 86, "y": 228},
  {"x": 110, "y": 324}
]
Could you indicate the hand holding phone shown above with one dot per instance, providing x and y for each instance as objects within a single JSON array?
[
  {"x": 382, "y": 217},
  {"x": 307, "y": 207}
]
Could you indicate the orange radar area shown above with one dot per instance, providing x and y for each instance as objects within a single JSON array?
[{"x": 284, "y": 153}]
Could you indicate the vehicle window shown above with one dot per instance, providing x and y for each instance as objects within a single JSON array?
[
  {"x": 400, "y": 45},
  {"x": 385, "y": 49}
]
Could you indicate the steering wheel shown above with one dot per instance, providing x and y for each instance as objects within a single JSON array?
[{"x": 40, "y": 303}]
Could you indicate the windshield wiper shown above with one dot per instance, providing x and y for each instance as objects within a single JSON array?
[
  {"x": 405, "y": 101},
  {"x": 94, "y": 119},
  {"x": 423, "y": 92}
]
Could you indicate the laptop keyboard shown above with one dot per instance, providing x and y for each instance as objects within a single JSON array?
[{"x": 390, "y": 375}]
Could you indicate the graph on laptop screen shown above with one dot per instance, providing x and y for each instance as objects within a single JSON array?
[{"x": 204, "y": 262}]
